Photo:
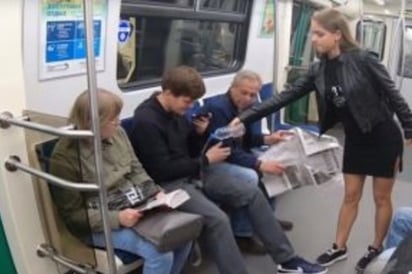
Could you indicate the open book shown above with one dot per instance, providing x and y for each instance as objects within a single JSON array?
[{"x": 172, "y": 200}]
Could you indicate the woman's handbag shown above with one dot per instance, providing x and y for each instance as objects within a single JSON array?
[
  {"x": 169, "y": 229},
  {"x": 166, "y": 228}
]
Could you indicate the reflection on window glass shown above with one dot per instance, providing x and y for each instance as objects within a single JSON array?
[
  {"x": 408, "y": 54},
  {"x": 184, "y": 3},
  {"x": 374, "y": 35},
  {"x": 224, "y": 5},
  {"x": 149, "y": 44},
  {"x": 164, "y": 42}
]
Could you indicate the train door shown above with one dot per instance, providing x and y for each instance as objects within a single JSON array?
[
  {"x": 301, "y": 54},
  {"x": 402, "y": 61}
]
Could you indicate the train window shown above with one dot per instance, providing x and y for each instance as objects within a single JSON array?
[
  {"x": 407, "y": 72},
  {"x": 374, "y": 35},
  {"x": 210, "y": 37},
  {"x": 231, "y": 5},
  {"x": 179, "y": 3}
]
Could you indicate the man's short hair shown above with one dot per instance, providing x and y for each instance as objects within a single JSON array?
[
  {"x": 183, "y": 81},
  {"x": 246, "y": 74}
]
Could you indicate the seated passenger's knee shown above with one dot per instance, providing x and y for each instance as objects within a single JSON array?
[
  {"x": 157, "y": 259},
  {"x": 403, "y": 213},
  {"x": 251, "y": 176},
  {"x": 402, "y": 218},
  {"x": 219, "y": 219}
]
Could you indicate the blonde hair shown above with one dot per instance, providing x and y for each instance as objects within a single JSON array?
[
  {"x": 109, "y": 106},
  {"x": 246, "y": 74},
  {"x": 333, "y": 20}
]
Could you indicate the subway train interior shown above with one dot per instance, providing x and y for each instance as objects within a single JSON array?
[{"x": 47, "y": 61}]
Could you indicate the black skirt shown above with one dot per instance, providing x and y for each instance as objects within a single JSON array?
[{"x": 374, "y": 153}]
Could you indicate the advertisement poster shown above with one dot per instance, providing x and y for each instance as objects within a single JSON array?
[
  {"x": 267, "y": 29},
  {"x": 62, "y": 37}
]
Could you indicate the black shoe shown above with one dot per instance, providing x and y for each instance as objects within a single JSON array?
[
  {"x": 251, "y": 245},
  {"x": 332, "y": 255},
  {"x": 371, "y": 254},
  {"x": 286, "y": 225}
]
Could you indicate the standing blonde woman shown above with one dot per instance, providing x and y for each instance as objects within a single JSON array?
[{"x": 354, "y": 88}]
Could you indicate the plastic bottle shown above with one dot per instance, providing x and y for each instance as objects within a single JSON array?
[{"x": 227, "y": 132}]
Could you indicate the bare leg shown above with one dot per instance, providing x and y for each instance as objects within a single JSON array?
[
  {"x": 382, "y": 192},
  {"x": 349, "y": 209}
]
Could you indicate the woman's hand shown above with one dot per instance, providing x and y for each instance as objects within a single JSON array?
[
  {"x": 160, "y": 195},
  {"x": 408, "y": 142},
  {"x": 129, "y": 217}
]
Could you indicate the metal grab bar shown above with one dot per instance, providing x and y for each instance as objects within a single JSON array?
[
  {"x": 44, "y": 250},
  {"x": 289, "y": 68},
  {"x": 13, "y": 163},
  {"x": 6, "y": 118},
  {"x": 403, "y": 60},
  {"x": 94, "y": 113}
]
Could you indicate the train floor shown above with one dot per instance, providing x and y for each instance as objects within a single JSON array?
[{"x": 314, "y": 212}]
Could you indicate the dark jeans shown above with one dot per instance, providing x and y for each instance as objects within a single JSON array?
[
  {"x": 241, "y": 194},
  {"x": 217, "y": 235}
]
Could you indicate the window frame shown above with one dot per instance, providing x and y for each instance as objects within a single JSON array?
[
  {"x": 358, "y": 36},
  {"x": 144, "y": 9},
  {"x": 405, "y": 74}
]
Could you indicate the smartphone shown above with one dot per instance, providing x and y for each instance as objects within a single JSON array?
[{"x": 199, "y": 115}]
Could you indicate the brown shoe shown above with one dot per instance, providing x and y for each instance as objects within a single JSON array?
[
  {"x": 286, "y": 225},
  {"x": 251, "y": 245}
]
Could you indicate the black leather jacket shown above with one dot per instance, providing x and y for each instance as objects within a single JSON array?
[{"x": 368, "y": 89}]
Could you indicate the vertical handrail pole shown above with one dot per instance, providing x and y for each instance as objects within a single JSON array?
[
  {"x": 275, "y": 61},
  {"x": 403, "y": 31},
  {"x": 276, "y": 46},
  {"x": 362, "y": 26},
  {"x": 92, "y": 88}
]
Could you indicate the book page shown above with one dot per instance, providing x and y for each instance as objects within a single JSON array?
[{"x": 172, "y": 200}]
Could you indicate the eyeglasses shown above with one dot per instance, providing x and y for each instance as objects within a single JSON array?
[{"x": 114, "y": 121}]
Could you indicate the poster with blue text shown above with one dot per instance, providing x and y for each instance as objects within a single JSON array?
[{"x": 63, "y": 39}]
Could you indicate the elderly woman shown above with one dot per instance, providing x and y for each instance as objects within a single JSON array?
[{"x": 74, "y": 160}]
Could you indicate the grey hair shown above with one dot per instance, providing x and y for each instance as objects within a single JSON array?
[{"x": 246, "y": 74}]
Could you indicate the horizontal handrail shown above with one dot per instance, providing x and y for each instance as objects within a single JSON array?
[
  {"x": 13, "y": 163},
  {"x": 45, "y": 250},
  {"x": 7, "y": 119},
  {"x": 289, "y": 68}
]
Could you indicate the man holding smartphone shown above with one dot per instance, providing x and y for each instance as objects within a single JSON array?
[{"x": 217, "y": 112}]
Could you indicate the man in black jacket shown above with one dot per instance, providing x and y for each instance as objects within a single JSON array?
[{"x": 165, "y": 143}]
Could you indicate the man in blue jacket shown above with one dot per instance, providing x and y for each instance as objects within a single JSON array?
[
  {"x": 242, "y": 164},
  {"x": 242, "y": 94}
]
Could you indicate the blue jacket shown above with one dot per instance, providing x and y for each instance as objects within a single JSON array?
[{"x": 223, "y": 112}]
